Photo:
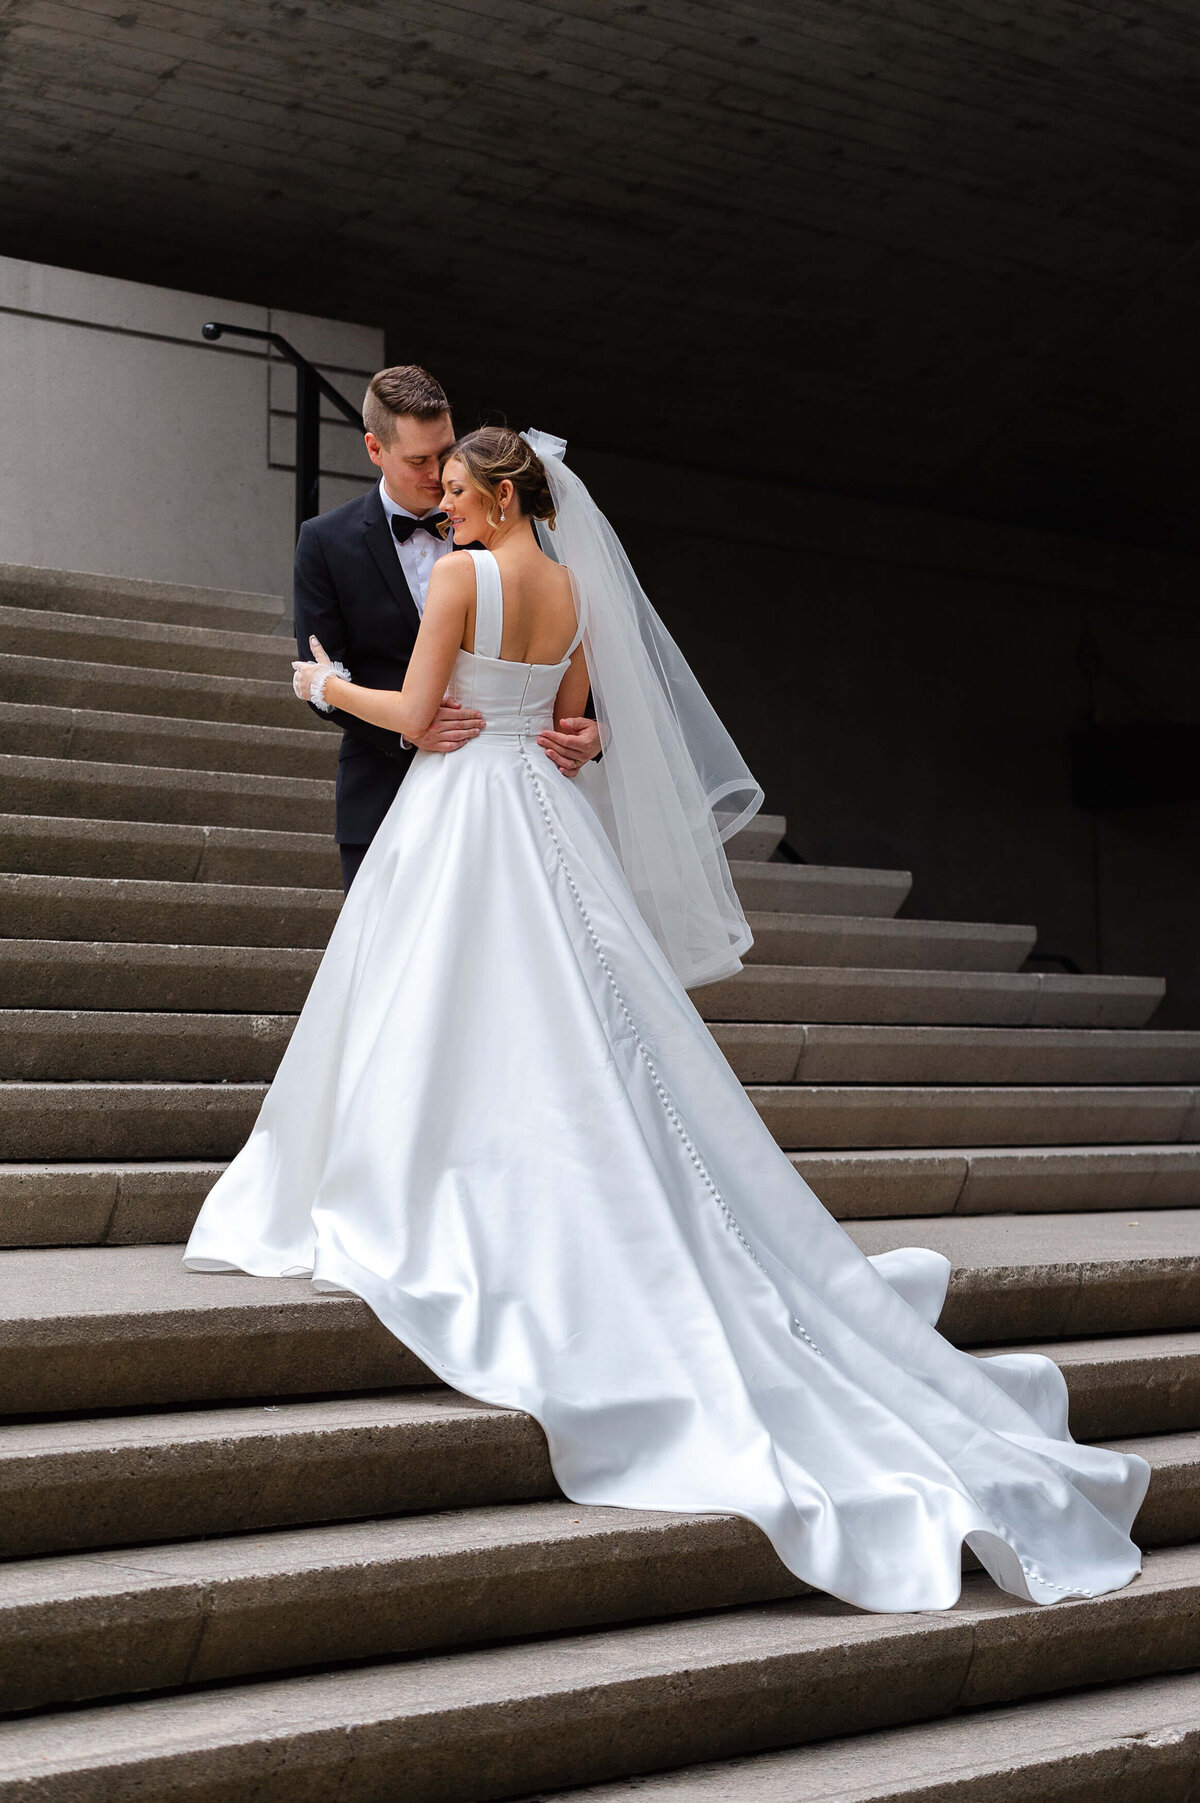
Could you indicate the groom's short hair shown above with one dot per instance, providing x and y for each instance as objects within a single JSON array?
[{"x": 405, "y": 389}]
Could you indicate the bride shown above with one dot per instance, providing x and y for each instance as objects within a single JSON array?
[{"x": 501, "y": 1122}]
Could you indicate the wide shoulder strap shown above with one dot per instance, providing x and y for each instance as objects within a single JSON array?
[{"x": 489, "y": 605}]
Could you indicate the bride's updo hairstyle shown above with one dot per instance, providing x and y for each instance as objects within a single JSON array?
[{"x": 496, "y": 454}]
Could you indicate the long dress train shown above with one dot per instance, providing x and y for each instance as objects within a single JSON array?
[{"x": 501, "y": 1122}]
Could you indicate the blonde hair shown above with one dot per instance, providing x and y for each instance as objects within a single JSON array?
[{"x": 496, "y": 454}]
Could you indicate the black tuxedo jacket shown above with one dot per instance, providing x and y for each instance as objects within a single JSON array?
[{"x": 351, "y": 594}]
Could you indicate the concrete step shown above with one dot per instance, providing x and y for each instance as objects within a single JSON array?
[
  {"x": 40, "y": 1121},
  {"x": 130, "y": 689},
  {"x": 232, "y": 914},
  {"x": 103, "y": 1204},
  {"x": 58, "y": 845},
  {"x": 148, "y": 644},
  {"x": 82, "y": 1626},
  {"x": 583, "y": 1708},
  {"x": 148, "y": 792},
  {"x": 109, "y": 1480},
  {"x": 1106, "y": 1745},
  {"x": 72, "y": 1045},
  {"x": 93, "y": 1625},
  {"x": 982, "y": 1180},
  {"x": 68, "y": 973},
  {"x": 128, "y": 1479},
  {"x": 119, "y": 909},
  {"x": 119, "y": 1480},
  {"x": 155, "y": 851},
  {"x": 1057, "y": 1276},
  {"x": 130, "y": 598},
  {"x": 210, "y": 1120},
  {"x": 831, "y": 939},
  {"x": 39, "y": 973},
  {"x": 889, "y": 1115},
  {"x": 861, "y": 1054},
  {"x": 763, "y": 992},
  {"x": 126, "y": 1326},
  {"x": 37, "y": 731},
  {"x": 758, "y": 839},
  {"x": 117, "y": 1203},
  {"x": 817, "y": 888},
  {"x": 114, "y": 1327}
]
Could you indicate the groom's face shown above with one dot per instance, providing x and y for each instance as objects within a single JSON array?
[{"x": 412, "y": 462}]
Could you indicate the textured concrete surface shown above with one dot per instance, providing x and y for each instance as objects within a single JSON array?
[
  {"x": 818, "y": 888},
  {"x": 91, "y": 1044},
  {"x": 1136, "y": 1384},
  {"x": 41, "y": 1045},
  {"x": 131, "y": 598},
  {"x": 873, "y": 1182},
  {"x": 75, "y": 681},
  {"x": 127, "y": 1479},
  {"x": 205, "y": 1120},
  {"x": 583, "y": 1708},
  {"x": 63, "y": 973},
  {"x": 98, "y": 1624},
  {"x": 78, "y": 1326},
  {"x": 930, "y": 997},
  {"x": 98, "y": 1203},
  {"x": 30, "y": 729},
  {"x": 874, "y": 1115},
  {"x": 90, "y": 1625},
  {"x": 1108, "y": 1746},
  {"x": 148, "y": 792},
  {"x": 163, "y": 851},
  {"x": 105, "y": 1327},
  {"x": 781, "y": 938},
  {"x": 126, "y": 1120},
  {"x": 758, "y": 838},
  {"x": 99, "y": 908},
  {"x": 957, "y": 1055},
  {"x": 94, "y": 1202},
  {"x": 1058, "y": 1275},
  {"x": 36, "y": 632}
]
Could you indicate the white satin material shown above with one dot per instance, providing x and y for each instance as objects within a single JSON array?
[{"x": 502, "y": 1123}]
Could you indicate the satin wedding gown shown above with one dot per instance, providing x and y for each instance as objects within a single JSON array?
[{"x": 501, "y": 1122}]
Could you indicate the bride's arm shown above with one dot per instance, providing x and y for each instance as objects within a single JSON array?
[{"x": 410, "y": 710}]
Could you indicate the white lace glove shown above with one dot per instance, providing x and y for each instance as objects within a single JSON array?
[{"x": 308, "y": 680}]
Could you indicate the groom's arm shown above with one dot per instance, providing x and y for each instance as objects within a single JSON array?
[{"x": 318, "y": 615}]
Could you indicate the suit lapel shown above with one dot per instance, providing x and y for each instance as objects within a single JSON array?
[{"x": 377, "y": 535}]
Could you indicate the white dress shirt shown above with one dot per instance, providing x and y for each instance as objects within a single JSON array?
[{"x": 419, "y": 554}]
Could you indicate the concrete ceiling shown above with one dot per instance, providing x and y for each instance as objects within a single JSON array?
[{"x": 945, "y": 253}]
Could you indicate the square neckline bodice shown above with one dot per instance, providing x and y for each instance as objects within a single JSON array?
[{"x": 489, "y": 618}]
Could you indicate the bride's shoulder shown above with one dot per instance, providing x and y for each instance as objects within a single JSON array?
[{"x": 453, "y": 569}]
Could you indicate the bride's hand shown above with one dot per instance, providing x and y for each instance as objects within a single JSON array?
[{"x": 303, "y": 674}]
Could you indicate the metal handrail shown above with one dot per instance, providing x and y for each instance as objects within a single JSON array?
[{"x": 310, "y": 386}]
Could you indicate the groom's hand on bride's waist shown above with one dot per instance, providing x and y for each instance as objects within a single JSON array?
[
  {"x": 573, "y": 744},
  {"x": 452, "y": 727}
]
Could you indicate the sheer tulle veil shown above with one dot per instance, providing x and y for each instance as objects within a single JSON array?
[{"x": 672, "y": 785}]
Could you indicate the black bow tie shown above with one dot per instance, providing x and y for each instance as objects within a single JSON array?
[{"x": 404, "y": 526}]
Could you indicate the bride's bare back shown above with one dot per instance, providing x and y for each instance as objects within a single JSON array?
[{"x": 539, "y": 608}]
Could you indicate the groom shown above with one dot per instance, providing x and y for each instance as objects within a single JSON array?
[{"x": 361, "y": 578}]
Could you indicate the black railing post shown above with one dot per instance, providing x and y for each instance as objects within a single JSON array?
[
  {"x": 308, "y": 445},
  {"x": 310, "y": 386}
]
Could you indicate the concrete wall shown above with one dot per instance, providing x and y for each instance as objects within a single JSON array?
[
  {"x": 132, "y": 447},
  {"x": 904, "y": 685}
]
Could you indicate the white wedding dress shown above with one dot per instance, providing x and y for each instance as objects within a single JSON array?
[{"x": 501, "y": 1122}]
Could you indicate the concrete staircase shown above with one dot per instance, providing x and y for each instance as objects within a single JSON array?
[{"x": 255, "y": 1550}]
